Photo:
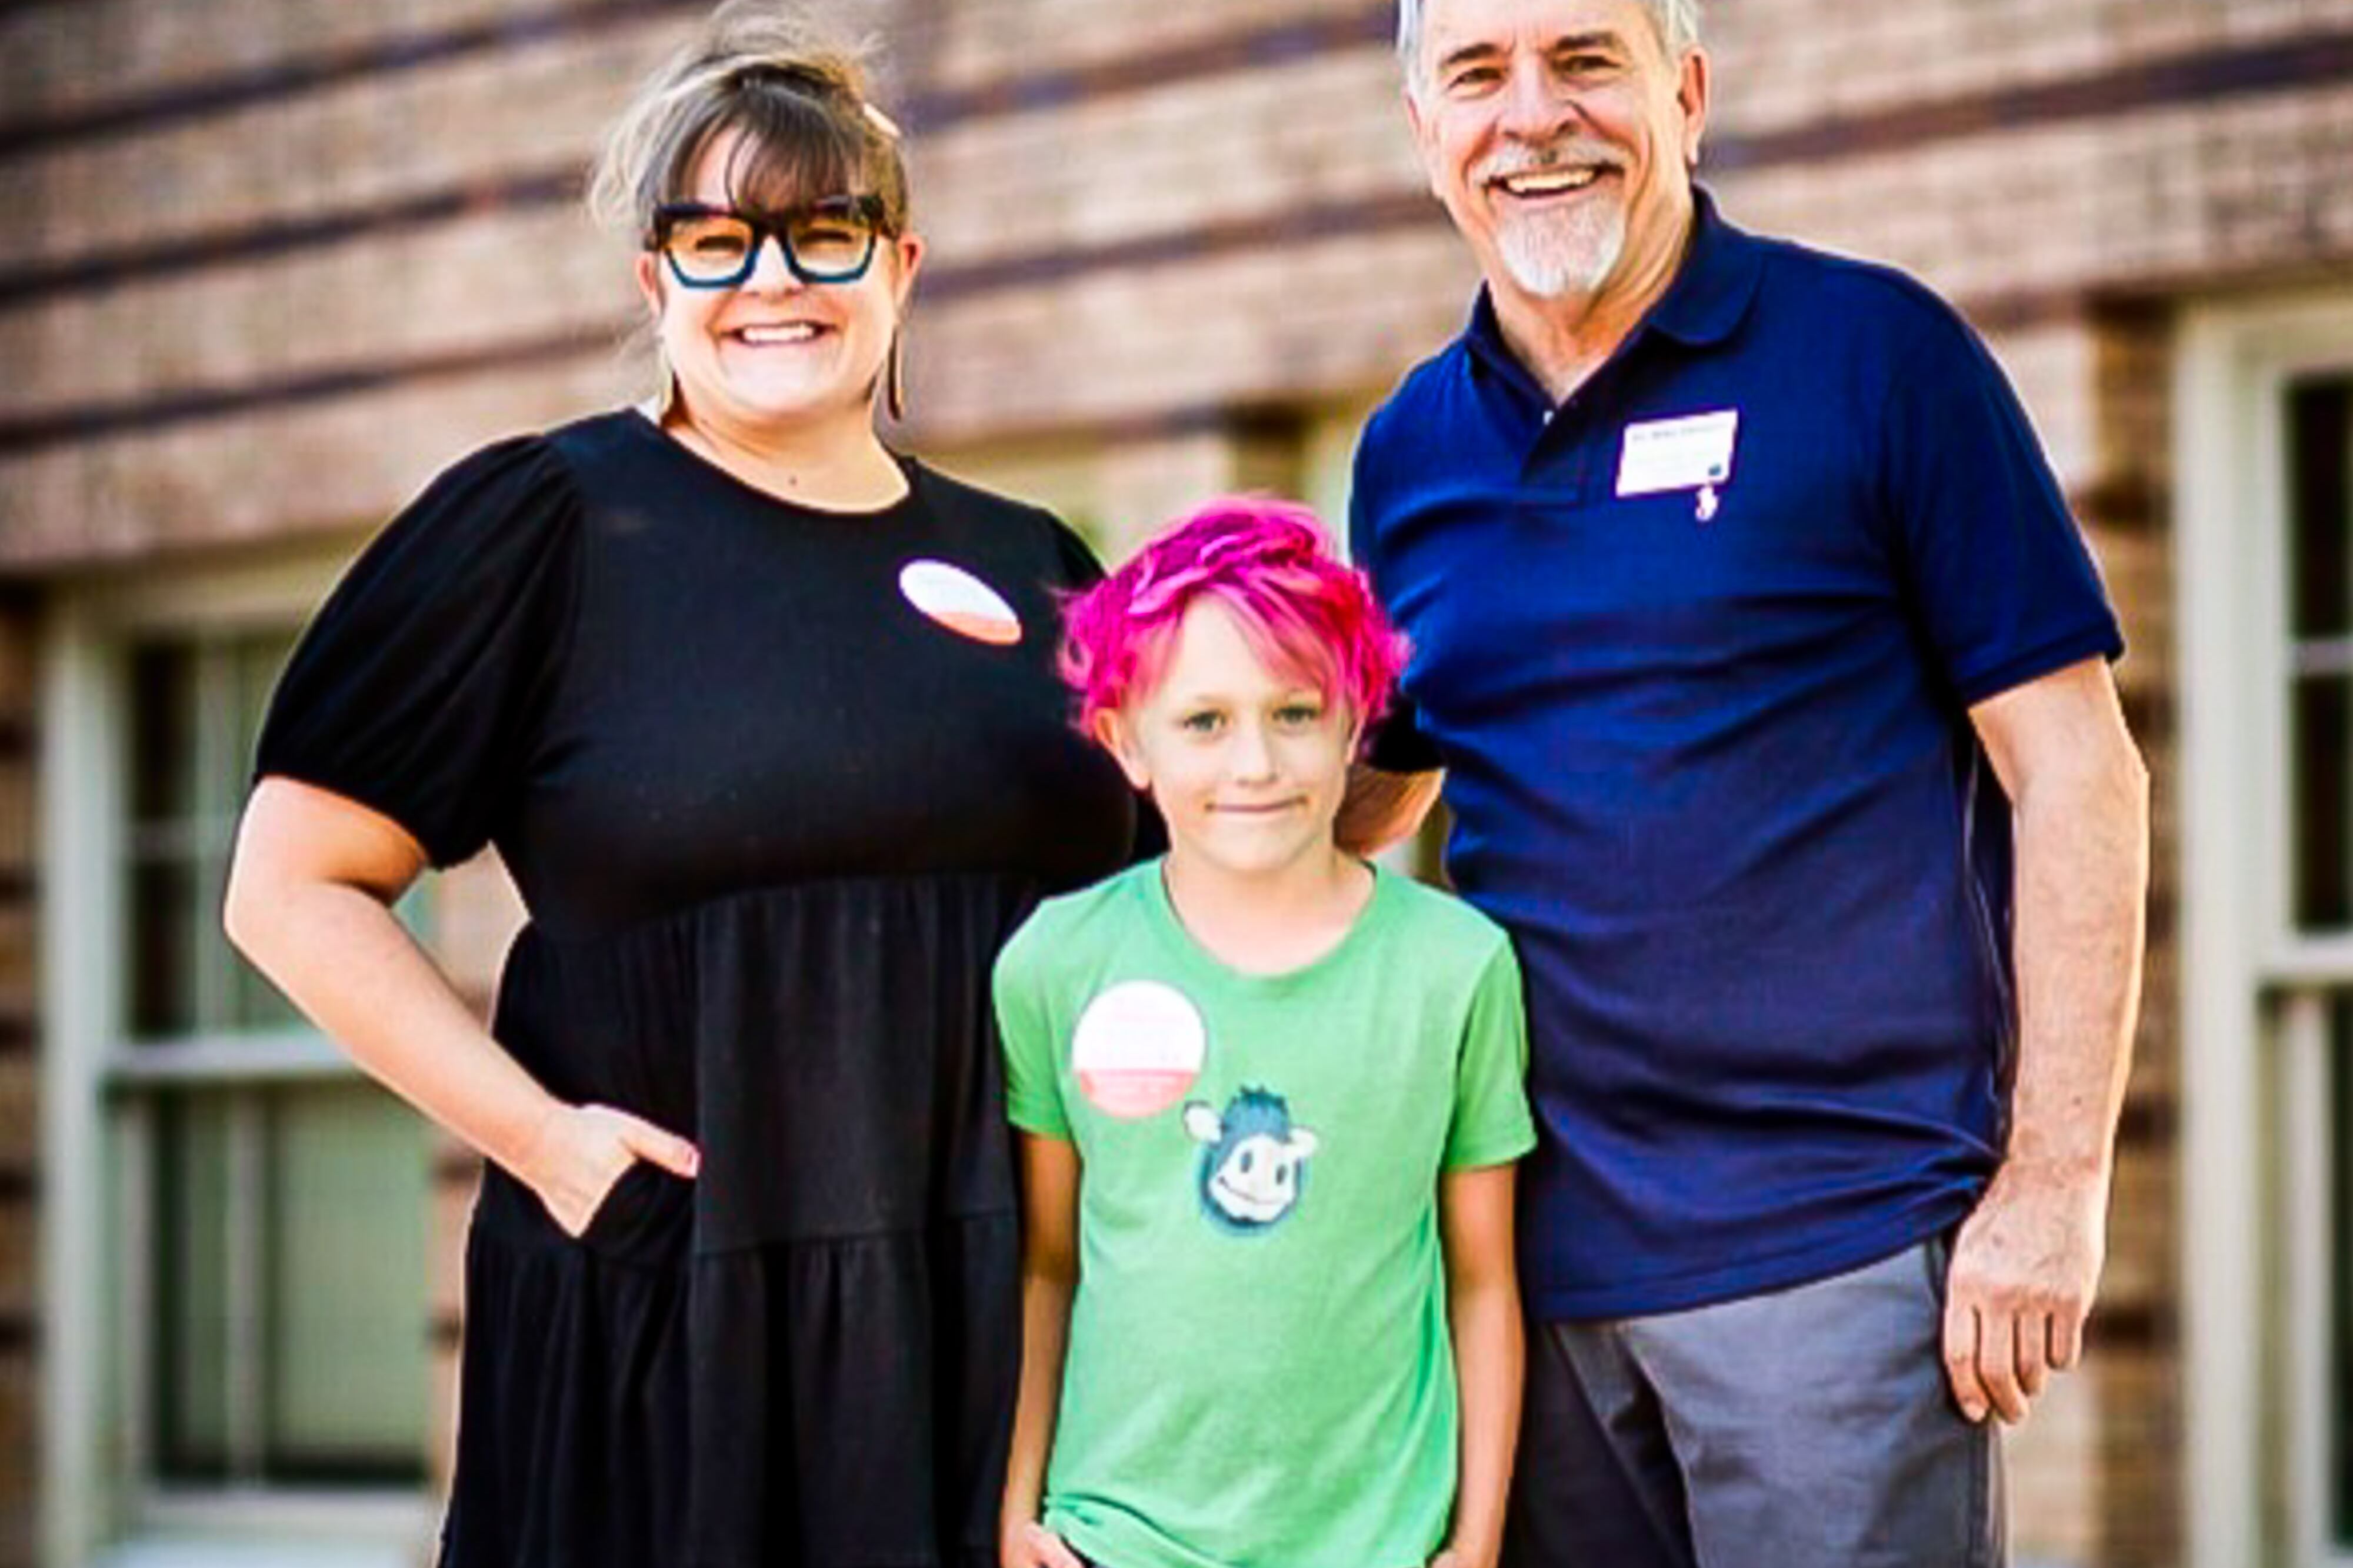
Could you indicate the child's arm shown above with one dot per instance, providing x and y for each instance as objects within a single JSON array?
[
  {"x": 1483, "y": 1310},
  {"x": 1049, "y": 1275}
]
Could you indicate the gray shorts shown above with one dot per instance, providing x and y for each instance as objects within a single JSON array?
[{"x": 1809, "y": 1427}]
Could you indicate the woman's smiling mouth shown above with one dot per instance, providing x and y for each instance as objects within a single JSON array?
[{"x": 786, "y": 332}]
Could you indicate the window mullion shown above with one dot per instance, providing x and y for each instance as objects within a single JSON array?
[
  {"x": 141, "y": 1318},
  {"x": 247, "y": 1287},
  {"x": 217, "y": 766}
]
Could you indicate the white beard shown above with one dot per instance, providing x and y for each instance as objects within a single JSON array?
[{"x": 1557, "y": 254}]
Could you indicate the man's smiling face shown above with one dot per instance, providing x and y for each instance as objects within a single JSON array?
[{"x": 1560, "y": 135}]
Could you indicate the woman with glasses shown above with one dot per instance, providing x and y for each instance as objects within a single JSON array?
[{"x": 762, "y": 716}]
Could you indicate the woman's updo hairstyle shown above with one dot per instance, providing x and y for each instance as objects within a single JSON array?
[{"x": 797, "y": 93}]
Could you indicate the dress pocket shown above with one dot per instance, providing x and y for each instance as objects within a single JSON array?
[{"x": 645, "y": 1217}]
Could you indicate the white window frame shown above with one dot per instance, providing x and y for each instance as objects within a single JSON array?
[
  {"x": 2255, "y": 1077},
  {"x": 97, "y": 1491}
]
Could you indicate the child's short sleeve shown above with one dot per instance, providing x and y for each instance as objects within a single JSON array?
[
  {"x": 1492, "y": 1125},
  {"x": 1033, "y": 1091},
  {"x": 418, "y": 687}
]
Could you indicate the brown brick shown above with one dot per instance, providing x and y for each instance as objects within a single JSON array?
[
  {"x": 438, "y": 291},
  {"x": 2053, "y": 1477},
  {"x": 20, "y": 1105},
  {"x": 20, "y": 1458},
  {"x": 111, "y": 51},
  {"x": 972, "y": 45},
  {"x": 20, "y": 1259},
  {"x": 336, "y": 467},
  {"x": 365, "y": 142}
]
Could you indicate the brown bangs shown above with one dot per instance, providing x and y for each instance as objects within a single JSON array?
[{"x": 793, "y": 147}]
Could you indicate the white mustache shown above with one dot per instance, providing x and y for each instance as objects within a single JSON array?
[{"x": 1506, "y": 161}]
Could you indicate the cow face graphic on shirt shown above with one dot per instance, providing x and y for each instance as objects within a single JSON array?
[{"x": 1253, "y": 1164}]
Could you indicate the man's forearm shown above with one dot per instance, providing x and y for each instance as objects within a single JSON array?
[
  {"x": 2026, "y": 1264},
  {"x": 1382, "y": 808},
  {"x": 2083, "y": 882}
]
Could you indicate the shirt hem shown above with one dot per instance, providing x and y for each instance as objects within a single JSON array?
[
  {"x": 1503, "y": 1150},
  {"x": 2099, "y": 638},
  {"x": 1084, "y": 1541},
  {"x": 1683, "y": 1292},
  {"x": 1024, "y": 1120},
  {"x": 442, "y": 850}
]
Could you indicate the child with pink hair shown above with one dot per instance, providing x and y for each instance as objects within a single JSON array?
[{"x": 1271, "y": 1095}]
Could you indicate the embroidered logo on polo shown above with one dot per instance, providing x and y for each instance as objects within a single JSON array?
[
  {"x": 961, "y": 601},
  {"x": 1694, "y": 453},
  {"x": 1137, "y": 1049},
  {"x": 1253, "y": 1164}
]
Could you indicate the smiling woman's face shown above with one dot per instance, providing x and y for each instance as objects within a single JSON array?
[{"x": 773, "y": 352}]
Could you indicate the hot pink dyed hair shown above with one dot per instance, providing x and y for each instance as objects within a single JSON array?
[{"x": 1267, "y": 562}]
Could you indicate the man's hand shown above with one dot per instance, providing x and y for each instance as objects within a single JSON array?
[
  {"x": 2024, "y": 1270},
  {"x": 1032, "y": 1545}
]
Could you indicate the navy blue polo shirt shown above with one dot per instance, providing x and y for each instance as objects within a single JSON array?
[{"x": 1697, "y": 648}]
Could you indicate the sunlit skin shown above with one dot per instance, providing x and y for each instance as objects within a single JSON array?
[
  {"x": 777, "y": 378},
  {"x": 1248, "y": 764},
  {"x": 1561, "y": 136}
]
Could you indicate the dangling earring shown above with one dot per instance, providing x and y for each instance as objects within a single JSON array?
[
  {"x": 665, "y": 398},
  {"x": 894, "y": 378}
]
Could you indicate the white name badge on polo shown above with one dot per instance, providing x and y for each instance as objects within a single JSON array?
[{"x": 1688, "y": 454}]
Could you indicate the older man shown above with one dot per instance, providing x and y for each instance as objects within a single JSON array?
[{"x": 1770, "y": 676}]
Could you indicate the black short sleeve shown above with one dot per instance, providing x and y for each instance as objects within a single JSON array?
[
  {"x": 1081, "y": 569},
  {"x": 416, "y": 689}
]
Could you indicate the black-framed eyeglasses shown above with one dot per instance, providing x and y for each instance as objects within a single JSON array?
[{"x": 829, "y": 241}]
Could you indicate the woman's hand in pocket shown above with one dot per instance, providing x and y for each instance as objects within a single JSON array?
[{"x": 582, "y": 1152}]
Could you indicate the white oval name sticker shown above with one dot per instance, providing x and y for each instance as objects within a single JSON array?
[
  {"x": 960, "y": 602},
  {"x": 1137, "y": 1049}
]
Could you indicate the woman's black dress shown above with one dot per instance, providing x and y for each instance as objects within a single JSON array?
[{"x": 775, "y": 784}]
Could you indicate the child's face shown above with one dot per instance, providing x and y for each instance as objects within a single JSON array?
[{"x": 1246, "y": 764}]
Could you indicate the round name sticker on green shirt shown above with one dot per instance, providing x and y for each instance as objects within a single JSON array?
[{"x": 1137, "y": 1049}]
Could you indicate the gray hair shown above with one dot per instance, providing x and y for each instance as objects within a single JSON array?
[{"x": 1675, "y": 21}]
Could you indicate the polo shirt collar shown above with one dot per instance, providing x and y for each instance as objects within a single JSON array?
[{"x": 1702, "y": 306}]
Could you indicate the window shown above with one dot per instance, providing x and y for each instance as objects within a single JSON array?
[
  {"x": 286, "y": 1245},
  {"x": 2265, "y": 534},
  {"x": 242, "y": 1359},
  {"x": 2319, "y": 592},
  {"x": 2318, "y": 599}
]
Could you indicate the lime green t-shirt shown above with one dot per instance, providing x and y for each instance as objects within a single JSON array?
[{"x": 1258, "y": 1370}]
